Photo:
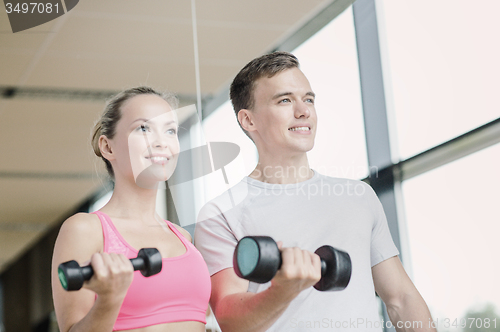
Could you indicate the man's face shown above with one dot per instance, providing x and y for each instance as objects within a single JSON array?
[{"x": 284, "y": 114}]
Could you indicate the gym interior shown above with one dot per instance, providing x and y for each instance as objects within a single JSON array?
[{"x": 406, "y": 101}]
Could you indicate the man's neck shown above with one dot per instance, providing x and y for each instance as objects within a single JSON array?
[{"x": 282, "y": 170}]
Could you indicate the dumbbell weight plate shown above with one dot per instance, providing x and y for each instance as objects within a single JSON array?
[
  {"x": 336, "y": 269},
  {"x": 148, "y": 261},
  {"x": 247, "y": 256},
  {"x": 70, "y": 275},
  {"x": 256, "y": 258}
]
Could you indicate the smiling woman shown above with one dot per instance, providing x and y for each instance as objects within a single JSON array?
[
  {"x": 153, "y": 145},
  {"x": 137, "y": 139},
  {"x": 106, "y": 125}
]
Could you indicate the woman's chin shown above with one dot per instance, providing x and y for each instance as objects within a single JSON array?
[{"x": 153, "y": 177}]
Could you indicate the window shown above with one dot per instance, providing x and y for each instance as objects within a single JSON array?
[
  {"x": 222, "y": 126},
  {"x": 329, "y": 60},
  {"x": 441, "y": 68},
  {"x": 453, "y": 223}
]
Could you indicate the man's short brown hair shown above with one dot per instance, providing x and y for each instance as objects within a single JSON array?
[{"x": 243, "y": 85}]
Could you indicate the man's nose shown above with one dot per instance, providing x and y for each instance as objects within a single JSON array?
[{"x": 302, "y": 110}]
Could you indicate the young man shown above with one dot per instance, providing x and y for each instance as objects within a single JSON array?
[{"x": 285, "y": 199}]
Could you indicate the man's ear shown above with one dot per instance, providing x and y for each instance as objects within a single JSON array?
[
  {"x": 105, "y": 147},
  {"x": 245, "y": 117}
]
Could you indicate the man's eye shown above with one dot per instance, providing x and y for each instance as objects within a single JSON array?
[
  {"x": 286, "y": 100},
  {"x": 310, "y": 100}
]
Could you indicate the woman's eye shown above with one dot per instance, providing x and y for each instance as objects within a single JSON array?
[
  {"x": 172, "y": 131},
  {"x": 143, "y": 128}
]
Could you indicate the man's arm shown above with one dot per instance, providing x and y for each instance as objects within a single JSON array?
[
  {"x": 242, "y": 311},
  {"x": 404, "y": 302}
]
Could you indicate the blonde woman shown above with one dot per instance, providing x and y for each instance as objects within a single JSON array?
[{"x": 137, "y": 139}]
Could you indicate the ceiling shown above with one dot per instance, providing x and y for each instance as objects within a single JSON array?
[{"x": 47, "y": 168}]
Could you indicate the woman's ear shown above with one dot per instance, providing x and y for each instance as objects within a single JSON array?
[
  {"x": 245, "y": 117},
  {"x": 105, "y": 147}
]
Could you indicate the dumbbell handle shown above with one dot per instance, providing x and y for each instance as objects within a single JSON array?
[
  {"x": 269, "y": 248},
  {"x": 323, "y": 265},
  {"x": 138, "y": 264}
]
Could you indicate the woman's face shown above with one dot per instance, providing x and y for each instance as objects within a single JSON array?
[{"x": 146, "y": 141}]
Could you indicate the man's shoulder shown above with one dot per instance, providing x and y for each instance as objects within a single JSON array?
[
  {"x": 344, "y": 186},
  {"x": 342, "y": 181},
  {"x": 237, "y": 191}
]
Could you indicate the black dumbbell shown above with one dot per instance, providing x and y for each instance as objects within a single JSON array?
[
  {"x": 72, "y": 275},
  {"x": 257, "y": 259}
]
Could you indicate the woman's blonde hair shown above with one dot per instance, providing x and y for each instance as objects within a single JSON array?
[{"x": 106, "y": 125}]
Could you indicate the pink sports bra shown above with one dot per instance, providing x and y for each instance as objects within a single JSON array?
[{"x": 180, "y": 292}]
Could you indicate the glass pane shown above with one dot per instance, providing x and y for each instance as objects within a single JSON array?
[
  {"x": 441, "y": 68},
  {"x": 453, "y": 225},
  {"x": 330, "y": 62},
  {"x": 222, "y": 126},
  {"x": 99, "y": 204}
]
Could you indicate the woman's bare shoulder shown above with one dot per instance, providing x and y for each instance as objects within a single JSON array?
[
  {"x": 82, "y": 229},
  {"x": 183, "y": 232},
  {"x": 82, "y": 222}
]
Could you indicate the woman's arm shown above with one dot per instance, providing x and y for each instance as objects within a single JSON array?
[{"x": 80, "y": 238}]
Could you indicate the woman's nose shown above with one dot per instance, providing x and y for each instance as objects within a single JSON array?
[{"x": 159, "y": 140}]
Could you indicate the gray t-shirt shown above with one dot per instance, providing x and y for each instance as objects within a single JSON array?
[{"x": 345, "y": 214}]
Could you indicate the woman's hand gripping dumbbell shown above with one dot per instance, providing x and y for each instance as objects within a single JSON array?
[
  {"x": 257, "y": 259},
  {"x": 72, "y": 275}
]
